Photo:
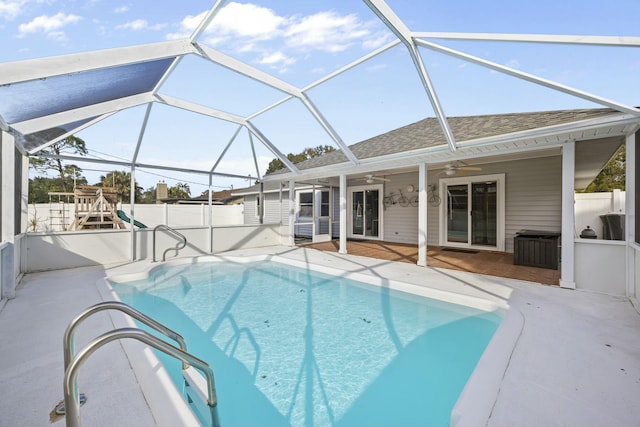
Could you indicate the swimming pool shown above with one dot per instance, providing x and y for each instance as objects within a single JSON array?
[{"x": 291, "y": 346}]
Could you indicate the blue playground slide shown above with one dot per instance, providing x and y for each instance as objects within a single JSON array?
[{"x": 123, "y": 216}]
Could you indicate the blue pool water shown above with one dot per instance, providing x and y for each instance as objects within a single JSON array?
[{"x": 293, "y": 347}]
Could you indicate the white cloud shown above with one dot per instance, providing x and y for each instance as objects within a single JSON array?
[
  {"x": 187, "y": 26},
  {"x": 326, "y": 31},
  {"x": 276, "y": 58},
  {"x": 248, "y": 27},
  {"x": 377, "y": 39},
  {"x": 121, "y": 9},
  {"x": 235, "y": 20},
  {"x": 247, "y": 20},
  {"x": 139, "y": 25},
  {"x": 58, "y": 36},
  {"x": 10, "y": 9},
  {"x": 47, "y": 24}
]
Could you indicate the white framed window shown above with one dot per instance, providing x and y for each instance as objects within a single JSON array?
[
  {"x": 258, "y": 206},
  {"x": 305, "y": 204},
  {"x": 325, "y": 206}
]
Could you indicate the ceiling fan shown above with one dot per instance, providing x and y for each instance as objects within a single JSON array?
[
  {"x": 370, "y": 179},
  {"x": 451, "y": 169}
]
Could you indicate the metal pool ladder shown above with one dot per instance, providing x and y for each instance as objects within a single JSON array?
[
  {"x": 179, "y": 246},
  {"x": 72, "y": 362}
]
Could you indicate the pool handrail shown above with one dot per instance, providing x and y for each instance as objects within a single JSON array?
[
  {"x": 71, "y": 395},
  {"x": 68, "y": 342},
  {"x": 181, "y": 245}
]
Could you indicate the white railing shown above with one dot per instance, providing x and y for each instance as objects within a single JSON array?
[{"x": 73, "y": 361}]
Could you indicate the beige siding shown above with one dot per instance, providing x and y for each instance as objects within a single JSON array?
[
  {"x": 250, "y": 210},
  {"x": 400, "y": 222},
  {"x": 533, "y": 201},
  {"x": 534, "y": 196},
  {"x": 335, "y": 231},
  {"x": 276, "y": 212},
  {"x": 272, "y": 209}
]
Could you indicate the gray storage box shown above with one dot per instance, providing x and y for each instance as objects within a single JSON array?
[{"x": 536, "y": 249}]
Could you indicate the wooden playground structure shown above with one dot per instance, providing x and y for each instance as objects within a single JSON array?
[{"x": 95, "y": 207}]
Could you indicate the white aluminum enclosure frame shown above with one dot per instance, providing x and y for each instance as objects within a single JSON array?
[{"x": 14, "y": 73}]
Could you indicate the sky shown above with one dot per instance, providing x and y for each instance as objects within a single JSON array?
[{"x": 302, "y": 41}]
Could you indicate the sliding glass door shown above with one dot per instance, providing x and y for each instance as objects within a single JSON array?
[
  {"x": 457, "y": 213},
  {"x": 364, "y": 212},
  {"x": 484, "y": 214},
  {"x": 473, "y": 212}
]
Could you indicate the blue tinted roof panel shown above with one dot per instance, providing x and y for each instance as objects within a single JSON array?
[
  {"x": 36, "y": 139},
  {"x": 38, "y": 98}
]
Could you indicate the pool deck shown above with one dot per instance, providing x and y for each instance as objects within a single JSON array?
[{"x": 576, "y": 361}]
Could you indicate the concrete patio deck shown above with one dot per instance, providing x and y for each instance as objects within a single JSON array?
[{"x": 576, "y": 361}]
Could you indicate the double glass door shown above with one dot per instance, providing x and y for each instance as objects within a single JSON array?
[
  {"x": 472, "y": 213},
  {"x": 364, "y": 212}
]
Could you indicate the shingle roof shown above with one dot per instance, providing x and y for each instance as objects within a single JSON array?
[{"x": 427, "y": 133}]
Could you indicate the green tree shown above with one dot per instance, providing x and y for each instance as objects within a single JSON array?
[
  {"x": 306, "y": 154},
  {"x": 40, "y": 186},
  {"x": 612, "y": 176},
  {"x": 66, "y": 173},
  {"x": 121, "y": 182},
  {"x": 179, "y": 191},
  {"x": 148, "y": 195}
]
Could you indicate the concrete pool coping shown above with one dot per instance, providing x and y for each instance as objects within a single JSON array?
[{"x": 576, "y": 362}]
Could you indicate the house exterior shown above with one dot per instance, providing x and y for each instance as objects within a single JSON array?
[
  {"x": 316, "y": 211},
  {"x": 510, "y": 172}
]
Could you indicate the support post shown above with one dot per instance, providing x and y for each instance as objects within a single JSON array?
[
  {"x": 422, "y": 215},
  {"x": 132, "y": 201},
  {"x": 8, "y": 188},
  {"x": 314, "y": 205},
  {"x": 567, "y": 278},
  {"x": 7, "y": 217},
  {"x": 261, "y": 212},
  {"x": 210, "y": 203},
  {"x": 630, "y": 213},
  {"x": 292, "y": 213},
  {"x": 24, "y": 220},
  {"x": 343, "y": 214}
]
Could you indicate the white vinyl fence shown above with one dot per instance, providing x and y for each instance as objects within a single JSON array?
[
  {"x": 589, "y": 207},
  {"x": 59, "y": 216}
]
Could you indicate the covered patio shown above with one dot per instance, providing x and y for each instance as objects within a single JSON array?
[{"x": 499, "y": 264}]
